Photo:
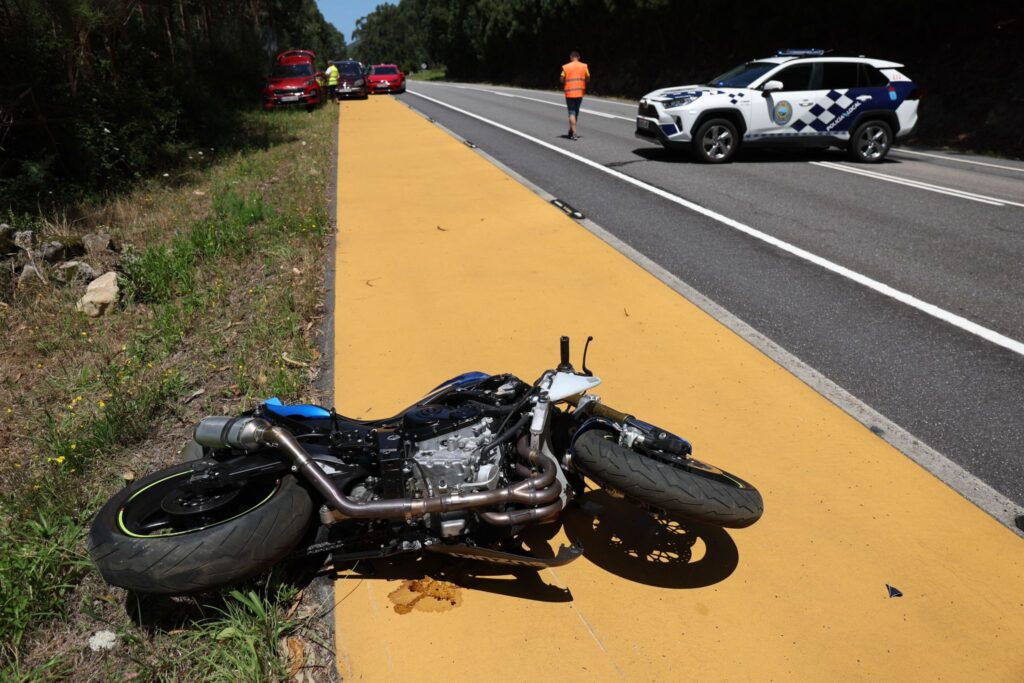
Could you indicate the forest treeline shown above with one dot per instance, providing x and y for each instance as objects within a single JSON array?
[
  {"x": 969, "y": 56},
  {"x": 94, "y": 93}
]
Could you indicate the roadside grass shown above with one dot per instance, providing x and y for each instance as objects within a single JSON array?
[
  {"x": 429, "y": 75},
  {"x": 221, "y": 277}
]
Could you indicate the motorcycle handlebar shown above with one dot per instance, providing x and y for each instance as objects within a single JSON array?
[{"x": 599, "y": 409}]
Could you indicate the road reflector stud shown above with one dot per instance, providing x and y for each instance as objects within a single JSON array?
[
  {"x": 568, "y": 210},
  {"x": 893, "y": 591},
  {"x": 469, "y": 144}
]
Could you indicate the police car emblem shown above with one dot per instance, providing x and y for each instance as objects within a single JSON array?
[{"x": 783, "y": 112}]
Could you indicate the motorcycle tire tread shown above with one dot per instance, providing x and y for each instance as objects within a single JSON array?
[
  {"x": 204, "y": 560},
  {"x": 661, "y": 485}
]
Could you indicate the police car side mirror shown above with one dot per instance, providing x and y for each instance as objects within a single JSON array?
[{"x": 770, "y": 87}]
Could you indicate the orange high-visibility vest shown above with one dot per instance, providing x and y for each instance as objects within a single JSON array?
[{"x": 575, "y": 75}]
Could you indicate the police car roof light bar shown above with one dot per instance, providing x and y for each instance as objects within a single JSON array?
[{"x": 800, "y": 52}]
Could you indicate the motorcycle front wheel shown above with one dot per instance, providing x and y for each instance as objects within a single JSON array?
[
  {"x": 159, "y": 536},
  {"x": 689, "y": 488}
]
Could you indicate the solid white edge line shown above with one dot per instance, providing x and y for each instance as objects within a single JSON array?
[
  {"x": 922, "y": 183},
  {"x": 589, "y": 112},
  {"x": 959, "y": 194},
  {"x": 903, "y": 150},
  {"x": 880, "y": 287},
  {"x": 631, "y": 105},
  {"x": 994, "y": 503}
]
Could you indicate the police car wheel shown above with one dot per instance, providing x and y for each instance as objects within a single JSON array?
[
  {"x": 716, "y": 141},
  {"x": 870, "y": 142}
]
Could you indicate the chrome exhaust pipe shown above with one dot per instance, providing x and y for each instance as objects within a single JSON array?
[{"x": 249, "y": 433}]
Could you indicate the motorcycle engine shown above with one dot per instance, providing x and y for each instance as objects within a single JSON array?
[
  {"x": 447, "y": 452},
  {"x": 447, "y": 443}
]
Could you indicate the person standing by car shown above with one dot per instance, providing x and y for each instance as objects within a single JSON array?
[
  {"x": 332, "y": 81},
  {"x": 575, "y": 76}
]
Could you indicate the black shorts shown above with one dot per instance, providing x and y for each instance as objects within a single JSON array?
[{"x": 573, "y": 105}]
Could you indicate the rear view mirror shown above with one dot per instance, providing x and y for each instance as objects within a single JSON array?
[{"x": 771, "y": 86}]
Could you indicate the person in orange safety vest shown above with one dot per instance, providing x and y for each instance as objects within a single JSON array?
[{"x": 575, "y": 76}]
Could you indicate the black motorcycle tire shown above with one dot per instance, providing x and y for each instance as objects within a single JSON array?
[
  {"x": 722, "y": 500},
  {"x": 207, "y": 558}
]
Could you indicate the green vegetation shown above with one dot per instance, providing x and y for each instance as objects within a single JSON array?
[
  {"x": 221, "y": 279},
  {"x": 634, "y": 46},
  {"x": 96, "y": 93},
  {"x": 428, "y": 75}
]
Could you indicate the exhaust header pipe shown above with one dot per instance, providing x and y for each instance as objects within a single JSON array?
[{"x": 249, "y": 433}]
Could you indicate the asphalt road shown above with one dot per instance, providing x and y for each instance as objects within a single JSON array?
[{"x": 913, "y": 297}]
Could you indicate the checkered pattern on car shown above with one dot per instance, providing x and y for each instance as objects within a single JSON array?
[{"x": 824, "y": 112}]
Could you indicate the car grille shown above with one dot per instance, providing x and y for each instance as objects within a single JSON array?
[
  {"x": 287, "y": 92},
  {"x": 648, "y": 110}
]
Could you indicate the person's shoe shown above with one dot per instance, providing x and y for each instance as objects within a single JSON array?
[{"x": 574, "y": 137}]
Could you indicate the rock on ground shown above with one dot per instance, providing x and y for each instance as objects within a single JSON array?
[{"x": 100, "y": 296}]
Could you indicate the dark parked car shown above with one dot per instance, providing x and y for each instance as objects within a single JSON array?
[
  {"x": 385, "y": 78},
  {"x": 351, "y": 79}
]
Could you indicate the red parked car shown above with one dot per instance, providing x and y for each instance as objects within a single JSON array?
[
  {"x": 307, "y": 55},
  {"x": 293, "y": 81},
  {"x": 385, "y": 78}
]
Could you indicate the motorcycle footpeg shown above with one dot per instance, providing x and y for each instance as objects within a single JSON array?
[{"x": 565, "y": 555}]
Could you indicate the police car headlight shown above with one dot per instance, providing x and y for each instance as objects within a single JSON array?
[{"x": 679, "y": 102}]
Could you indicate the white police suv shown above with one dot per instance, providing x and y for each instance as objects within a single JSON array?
[{"x": 798, "y": 97}]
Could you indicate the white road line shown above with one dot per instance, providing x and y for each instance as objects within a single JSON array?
[
  {"x": 880, "y": 287},
  {"x": 958, "y": 159},
  {"x": 631, "y": 105},
  {"x": 561, "y": 105},
  {"x": 952, "y": 192}
]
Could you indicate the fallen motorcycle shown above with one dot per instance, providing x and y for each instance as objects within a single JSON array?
[{"x": 462, "y": 472}]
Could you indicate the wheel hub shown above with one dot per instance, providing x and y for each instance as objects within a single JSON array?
[{"x": 180, "y": 503}]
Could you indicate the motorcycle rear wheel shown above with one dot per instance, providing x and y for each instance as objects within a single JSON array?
[
  {"x": 692, "y": 490},
  {"x": 137, "y": 544}
]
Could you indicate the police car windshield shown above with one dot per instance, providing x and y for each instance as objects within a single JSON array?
[
  {"x": 743, "y": 75},
  {"x": 292, "y": 70}
]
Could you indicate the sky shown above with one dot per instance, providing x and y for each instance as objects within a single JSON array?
[{"x": 343, "y": 13}]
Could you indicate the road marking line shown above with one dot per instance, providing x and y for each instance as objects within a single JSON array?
[
  {"x": 553, "y": 104},
  {"x": 920, "y": 184},
  {"x": 631, "y": 105},
  {"x": 558, "y": 104},
  {"x": 880, "y": 287},
  {"x": 962, "y": 161}
]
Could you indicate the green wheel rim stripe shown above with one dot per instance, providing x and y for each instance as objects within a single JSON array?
[{"x": 126, "y": 532}]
